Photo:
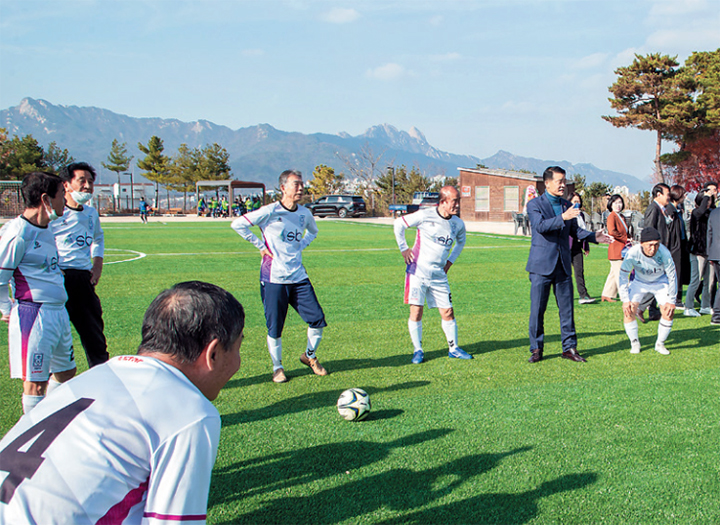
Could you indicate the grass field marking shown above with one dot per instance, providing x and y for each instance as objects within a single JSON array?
[
  {"x": 186, "y": 254},
  {"x": 138, "y": 255}
]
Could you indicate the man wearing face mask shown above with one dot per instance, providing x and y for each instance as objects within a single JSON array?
[
  {"x": 39, "y": 337},
  {"x": 81, "y": 246}
]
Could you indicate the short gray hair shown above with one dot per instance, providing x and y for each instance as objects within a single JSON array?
[{"x": 287, "y": 174}]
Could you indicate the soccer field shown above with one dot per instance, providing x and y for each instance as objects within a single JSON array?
[{"x": 622, "y": 438}]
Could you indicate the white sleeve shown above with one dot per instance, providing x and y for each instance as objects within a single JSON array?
[
  {"x": 458, "y": 248},
  {"x": 180, "y": 475},
  {"x": 12, "y": 250},
  {"x": 97, "y": 249},
  {"x": 255, "y": 218},
  {"x": 311, "y": 232},
  {"x": 669, "y": 265},
  {"x": 401, "y": 224},
  {"x": 624, "y": 278}
]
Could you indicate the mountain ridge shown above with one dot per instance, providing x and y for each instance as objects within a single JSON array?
[{"x": 262, "y": 151}]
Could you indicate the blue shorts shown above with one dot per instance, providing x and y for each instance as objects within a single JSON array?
[{"x": 301, "y": 296}]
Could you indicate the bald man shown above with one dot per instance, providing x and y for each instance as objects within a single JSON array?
[{"x": 440, "y": 239}]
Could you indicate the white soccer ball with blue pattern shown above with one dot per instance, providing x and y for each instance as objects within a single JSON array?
[{"x": 354, "y": 404}]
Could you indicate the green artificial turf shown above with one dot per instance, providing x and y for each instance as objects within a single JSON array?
[{"x": 620, "y": 439}]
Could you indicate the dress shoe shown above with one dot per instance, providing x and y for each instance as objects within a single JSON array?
[
  {"x": 641, "y": 316},
  {"x": 535, "y": 356},
  {"x": 574, "y": 356},
  {"x": 604, "y": 299},
  {"x": 655, "y": 317}
]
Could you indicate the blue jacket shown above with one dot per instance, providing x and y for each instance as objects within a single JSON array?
[{"x": 551, "y": 236}]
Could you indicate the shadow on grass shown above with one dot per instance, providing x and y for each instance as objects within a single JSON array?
[
  {"x": 508, "y": 509},
  {"x": 287, "y": 469},
  {"x": 405, "y": 490},
  {"x": 312, "y": 401}
]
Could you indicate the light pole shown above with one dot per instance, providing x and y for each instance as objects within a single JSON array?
[{"x": 391, "y": 171}]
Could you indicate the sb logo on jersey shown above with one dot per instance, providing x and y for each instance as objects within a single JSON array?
[
  {"x": 83, "y": 240},
  {"x": 445, "y": 241},
  {"x": 293, "y": 236}
]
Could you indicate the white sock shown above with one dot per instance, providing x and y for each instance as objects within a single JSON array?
[
  {"x": 451, "y": 332},
  {"x": 52, "y": 385},
  {"x": 415, "y": 328},
  {"x": 29, "y": 402},
  {"x": 631, "y": 329},
  {"x": 664, "y": 328},
  {"x": 275, "y": 349},
  {"x": 314, "y": 336}
]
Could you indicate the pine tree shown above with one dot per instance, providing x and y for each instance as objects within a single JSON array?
[
  {"x": 155, "y": 164},
  {"x": 648, "y": 95},
  {"x": 325, "y": 181},
  {"x": 117, "y": 160}
]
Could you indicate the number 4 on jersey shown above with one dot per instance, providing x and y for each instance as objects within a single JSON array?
[{"x": 23, "y": 465}]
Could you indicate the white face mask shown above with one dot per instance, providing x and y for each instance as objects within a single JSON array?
[
  {"x": 81, "y": 197},
  {"x": 52, "y": 214}
]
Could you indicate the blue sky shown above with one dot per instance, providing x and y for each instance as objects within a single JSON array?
[{"x": 526, "y": 76}]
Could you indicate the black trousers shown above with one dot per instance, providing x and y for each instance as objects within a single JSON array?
[
  {"x": 579, "y": 269},
  {"x": 83, "y": 307}
]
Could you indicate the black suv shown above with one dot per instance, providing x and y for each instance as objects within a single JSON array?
[{"x": 340, "y": 205}]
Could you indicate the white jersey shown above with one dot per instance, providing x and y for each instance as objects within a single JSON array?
[
  {"x": 29, "y": 261},
  {"x": 284, "y": 235},
  {"x": 658, "y": 268},
  {"x": 130, "y": 441},
  {"x": 79, "y": 237},
  {"x": 438, "y": 240}
]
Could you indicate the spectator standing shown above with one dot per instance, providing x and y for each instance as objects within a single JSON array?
[
  {"x": 617, "y": 229},
  {"x": 700, "y": 270},
  {"x": 656, "y": 217},
  {"x": 677, "y": 241},
  {"x": 713, "y": 255},
  {"x": 579, "y": 250}
]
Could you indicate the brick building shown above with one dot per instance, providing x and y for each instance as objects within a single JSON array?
[{"x": 492, "y": 195}]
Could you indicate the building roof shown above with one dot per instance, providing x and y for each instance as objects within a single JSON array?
[{"x": 509, "y": 174}]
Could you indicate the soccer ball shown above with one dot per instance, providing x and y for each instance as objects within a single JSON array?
[{"x": 354, "y": 404}]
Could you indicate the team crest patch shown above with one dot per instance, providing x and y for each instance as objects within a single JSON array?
[{"x": 37, "y": 360}]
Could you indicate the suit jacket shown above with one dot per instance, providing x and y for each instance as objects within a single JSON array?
[
  {"x": 618, "y": 231},
  {"x": 551, "y": 236},
  {"x": 654, "y": 217},
  {"x": 713, "y": 236}
]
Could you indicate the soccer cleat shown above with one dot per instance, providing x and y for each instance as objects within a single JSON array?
[
  {"x": 691, "y": 312},
  {"x": 586, "y": 300},
  {"x": 418, "y": 357},
  {"x": 279, "y": 376},
  {"x": 660, "y": 349},
  {"x": 314, "y": 365},
  {"x": 459, "y": 353},
  {"x": 706, "y": 311},
  {"x": 635, "y": 347}
]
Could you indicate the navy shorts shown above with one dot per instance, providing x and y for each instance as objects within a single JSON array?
[{"x": 301, "y": 296}]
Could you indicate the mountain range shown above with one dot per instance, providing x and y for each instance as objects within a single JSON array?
[{"x": 262, "y": 152}]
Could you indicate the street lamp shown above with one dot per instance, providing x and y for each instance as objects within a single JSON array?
[{"x": 391, "y": 171}]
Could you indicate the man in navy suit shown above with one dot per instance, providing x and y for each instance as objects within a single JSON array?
[{"x": 553, "y": 223}]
